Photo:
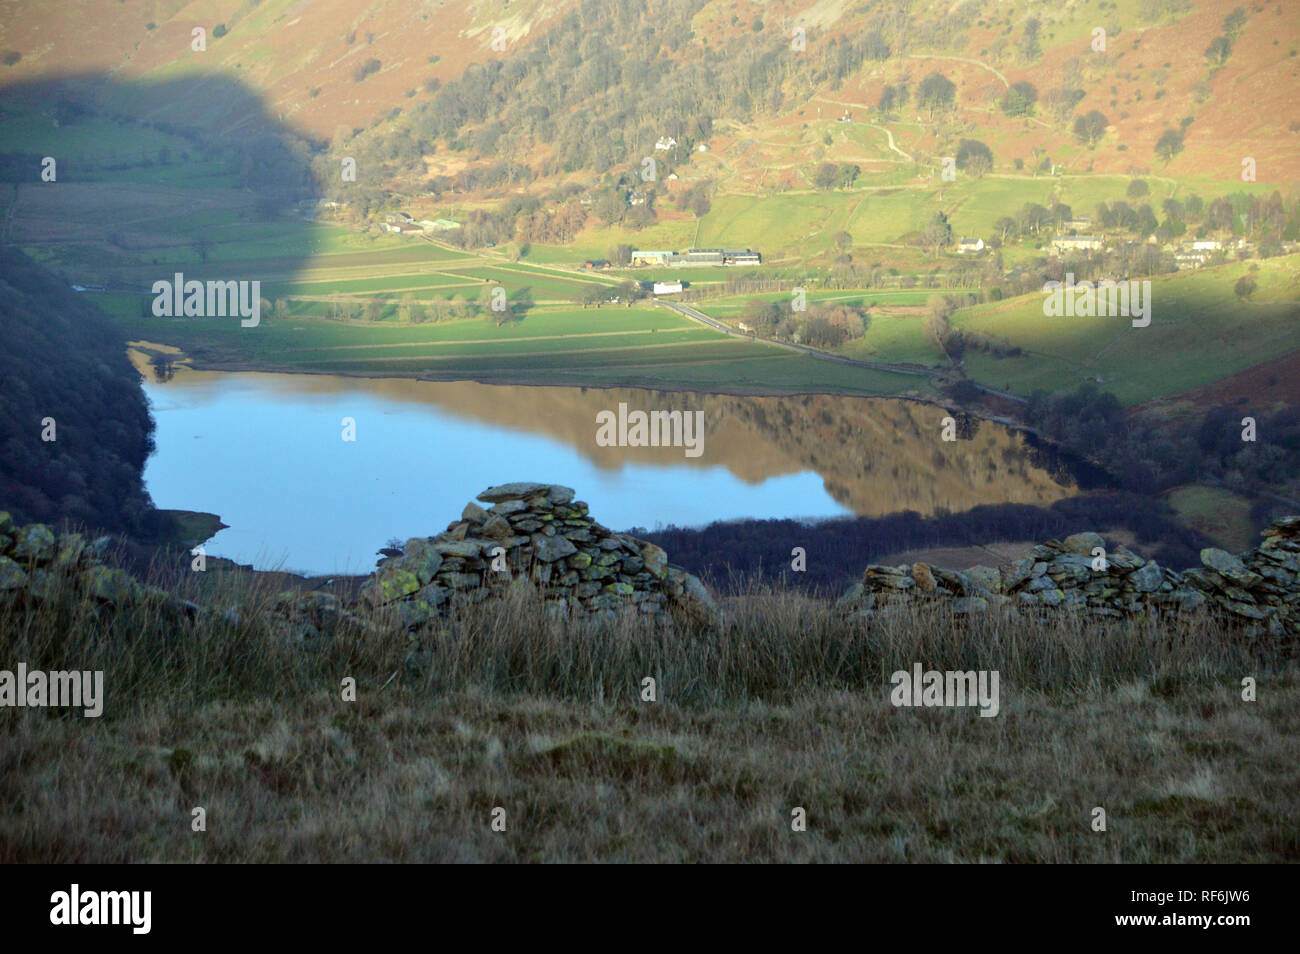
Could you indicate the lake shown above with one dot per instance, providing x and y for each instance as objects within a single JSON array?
[{"x": 267, "y": 452}]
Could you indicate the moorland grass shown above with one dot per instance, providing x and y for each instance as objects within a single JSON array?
[{"x": 786, "y": 706}]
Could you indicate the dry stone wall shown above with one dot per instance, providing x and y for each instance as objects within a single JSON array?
[
  {"x": 530, "y": 533},
  {"x": 1259, "y": 589},
  {"x": 39, "y": 567},
  {"x": 539, "y": 533}
]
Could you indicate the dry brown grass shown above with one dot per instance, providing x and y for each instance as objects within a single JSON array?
[{"x": 787, "y": 707}]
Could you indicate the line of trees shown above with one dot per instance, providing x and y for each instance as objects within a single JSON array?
[
  {"x": 1149, "y": 457},
  {"x": 820, "y": 325}
]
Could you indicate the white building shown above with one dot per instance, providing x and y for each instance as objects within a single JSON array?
[
  {"x": 667, "y": 288},
  {"x": 1069, "y": 243},
  {"x": 665, "y": 143}
]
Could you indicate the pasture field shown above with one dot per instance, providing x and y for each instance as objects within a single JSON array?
[
  {"x": 897, "y": 338},
  {"x": 102, "y": 150},
  {"x": 208, "y": 229},
  {"x": 596, "y": 240},
  {"x": 539, "y": 283},
  {"x": 889, "y": 337},
  {"x": 885, "y": 216},
  {"x": 368, "y": 286},
  {"x": 731, "y": 306},
  {"x": 773, "y": 224},
  {"x": 802, "y": 224},
  {"x": 639, "y": 346},
  {"x": 1219, "y": 513},
  {"x": 1200, "y": 332}
]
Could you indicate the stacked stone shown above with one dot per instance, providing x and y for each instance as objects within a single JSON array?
[
  {"x": 536, "y": 532},
  {"x": 885, "y": 588},
  {"x": 39, "y": 567},
  {"x": 1076, "y": 573},
  {"x": 1261, "y": 588},
  {"x": 1080, "y": 573}
]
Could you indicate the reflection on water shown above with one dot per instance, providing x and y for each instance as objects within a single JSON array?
[{"x": 266, "y": 452}]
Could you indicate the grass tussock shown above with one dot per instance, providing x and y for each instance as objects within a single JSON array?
[{"x": 788, "y": 706}]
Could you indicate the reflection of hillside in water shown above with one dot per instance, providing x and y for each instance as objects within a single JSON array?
[{"x": 876, "y": 456}]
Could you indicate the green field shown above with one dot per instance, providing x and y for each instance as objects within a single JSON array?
[
  {"x": 541, "y": 284},
  {"x": 889, "y": 337},
  {"x": 366, "y": 286},
  {"x": 643, "y": 346},
  {"x": 803, "y": 224},
  {"x": 732, "y": 305},
  {"x": 1220, "y": 514},
  {"x": 97, "y": 149},
  {"x": 1199, "y": 333}
]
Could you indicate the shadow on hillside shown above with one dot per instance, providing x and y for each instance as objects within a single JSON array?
[
  {"x": 108, "y": 188},
  {"x": 149, "y": 178}
]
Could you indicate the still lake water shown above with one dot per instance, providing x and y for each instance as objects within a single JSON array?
[{"x": 266, "y": 453}]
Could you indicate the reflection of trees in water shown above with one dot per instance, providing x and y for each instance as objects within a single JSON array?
[
  {"x": 1066, "y": 468},
  {"x": 885, "y": 447},
  {"x": 164, "y": 367},
  {"x": 967, "y": 426}
]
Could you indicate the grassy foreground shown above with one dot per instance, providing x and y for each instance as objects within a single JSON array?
[{"x": 787, "y": 707}]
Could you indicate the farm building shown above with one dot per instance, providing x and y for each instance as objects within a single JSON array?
[
  {"x": 699, "y": 256},
  {"x": 1186, "y": 259},
  {"x": 666, "y": 143},
  {"x": 652, "y": 258},
  {"x": 667, "y": 288},
  {"x": 969, "y": 245},
  {"x": 721, "y": 256},
  {"x": 1072, "y": 243}
]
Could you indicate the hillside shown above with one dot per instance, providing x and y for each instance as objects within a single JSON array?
[
  {"x": 782, "y": 349},
  {"x": 431, "y": 71},
  {"x": 300, "y": 58},
  {"x": 74, "y": 426},
  {"x": 816, "y": 136}
]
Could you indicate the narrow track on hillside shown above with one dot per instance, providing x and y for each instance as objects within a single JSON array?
[{"x": 960, "y": 59}]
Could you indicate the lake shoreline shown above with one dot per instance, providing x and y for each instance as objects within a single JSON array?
[
  {"x": 774, "y": 454},
  {"x": 190, "y": 361}
]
